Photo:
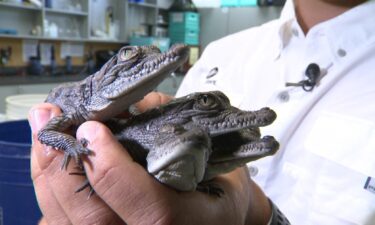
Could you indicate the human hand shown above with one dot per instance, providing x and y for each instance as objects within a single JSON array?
[{"x": 124, "y": 191}]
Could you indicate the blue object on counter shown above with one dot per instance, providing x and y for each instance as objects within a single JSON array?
[
  {"x": 68, "y": 65},
  {"x": 161, "y": 42},
  {"x": 48, "y": 3},
  {"x": 18, "y": 204},
  {"x": 136, "y": 1},
  {"x": 34, "y": 67},
  {"x": 8, "y": 31}
]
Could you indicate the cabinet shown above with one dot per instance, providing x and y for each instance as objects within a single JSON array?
[
  {"x": 60, "y": 20},
  {"x": 68, "y": 21},
  {"x": 81, "y": 20},
  {"x": 147, "y": 18}
]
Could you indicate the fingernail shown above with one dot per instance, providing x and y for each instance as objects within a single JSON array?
[
  {"x": 88, "y": 131},
  {"x": 39, "y": 118}
]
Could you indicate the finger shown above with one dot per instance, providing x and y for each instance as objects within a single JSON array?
[
  {"x": 77, "y": 207},
  {"x": 152, "y": 100},
  {"x": 43, "y": 221},
  {"x": 208, "y": 209},
  {"x": 122, "y": 183},
  {"x": 40, "y": 114},
  {"x": 48, "y": 204}
]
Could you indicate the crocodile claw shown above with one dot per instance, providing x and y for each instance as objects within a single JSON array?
[
  {"x": 76, "y": 152},
  {"x": 85, "y": 185}
]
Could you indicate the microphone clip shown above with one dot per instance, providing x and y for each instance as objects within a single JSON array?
[{"x": 313, "y": 73}]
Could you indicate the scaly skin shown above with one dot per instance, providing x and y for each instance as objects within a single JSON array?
[
  {"x": 192, "y": 139},
  {"x": 183, "y": 144},
  {"x": 125, "y": 79}
]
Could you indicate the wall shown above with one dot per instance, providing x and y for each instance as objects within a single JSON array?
[{"x": 219, "y": 22}]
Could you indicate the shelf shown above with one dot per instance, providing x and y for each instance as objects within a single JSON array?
[
  {"x": 19, "y": 36},
  {"x": 143, "y": 4},
  {"x": 129, "y": 16},
  {"x": 20, "y": 6},
  {"x": 102, "y": 40},
  {"x": 42, "y": 38},
  {"x": 32, "y": 37},
  {"x": 65, "y": 12},
  {"x": 162, "y": 24}
]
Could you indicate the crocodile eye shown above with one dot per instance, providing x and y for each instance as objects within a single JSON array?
[
  {"x": 206, "y": 101},
  {"x": 128, "y": 53}
]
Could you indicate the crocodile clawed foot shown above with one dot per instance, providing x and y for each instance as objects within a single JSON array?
[
  {"x": 76, "y": 151},
  {"x": 211, "y": 189},
  {"x": 85, "y": 185}
]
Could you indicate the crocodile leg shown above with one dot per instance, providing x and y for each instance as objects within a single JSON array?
[
  {"x": 179, "y": 156},
  {"x": 52, "y": 135}
]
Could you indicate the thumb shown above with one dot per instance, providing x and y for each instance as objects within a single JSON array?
[
  {"x": 152, "y": 100},
  {"x": 117, "y": 179}
]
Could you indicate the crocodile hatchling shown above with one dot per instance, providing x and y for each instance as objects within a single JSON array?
[{"x": 183, "y": 143}]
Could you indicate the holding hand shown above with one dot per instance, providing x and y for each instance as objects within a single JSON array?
[{"x": 124, "y": 191}]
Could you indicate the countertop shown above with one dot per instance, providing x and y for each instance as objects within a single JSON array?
[{"x": 39, "y": 79}]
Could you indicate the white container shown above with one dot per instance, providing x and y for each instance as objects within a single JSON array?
[
  {"x": 18, "y": 106},
  {"x": 53, "y": 30},
  {"x": 3, "y": 117},
  {"x": 207, "y": 3}
]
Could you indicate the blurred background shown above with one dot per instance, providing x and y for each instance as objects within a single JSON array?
[{"x": 44, "y": 43}]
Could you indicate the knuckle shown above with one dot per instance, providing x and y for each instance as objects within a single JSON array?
[
  {"x": 104, "y": 178},
  {"x": 99, "y": 216}
]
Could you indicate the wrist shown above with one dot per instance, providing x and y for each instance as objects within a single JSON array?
[
  {"x": 277, "y": 217},
  {"x": 260, "y": 210}
]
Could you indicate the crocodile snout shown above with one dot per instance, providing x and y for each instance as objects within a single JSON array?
[{"x": 265, "y": 116}]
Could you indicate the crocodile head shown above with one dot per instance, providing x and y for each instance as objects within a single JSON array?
[
  {"x": 213, "y": 112},
  {"x": 136, "y": 66},
  {"x": 125, "y": 79},
  {"x": 130, "y": 75},
  {"x": 234, "y": 133}
]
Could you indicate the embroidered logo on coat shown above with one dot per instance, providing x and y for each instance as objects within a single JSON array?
[
  {"x": 370, "y": 185},
  {"x": 211, "y": 74}
]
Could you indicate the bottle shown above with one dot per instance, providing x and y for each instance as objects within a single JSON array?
[
  {"x": 183, "y": 6},
  {"x": 108, "y": 19},
  {"x": 53, "y": 61},
  {"x": 68, "y": 65}
]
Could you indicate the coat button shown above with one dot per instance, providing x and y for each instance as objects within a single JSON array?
[
  {"x": 253, "y": 171},
  {"x": 341, "y": 52},
  {"x": 295, "y": 32},
  {"x": 283, "y": 96}
]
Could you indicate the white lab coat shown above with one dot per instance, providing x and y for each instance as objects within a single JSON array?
[{"x": 324, "y": 172}]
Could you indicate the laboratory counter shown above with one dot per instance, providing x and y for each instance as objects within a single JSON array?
[
  {"x": 39, "y": 79},
  {"x": 42, "y": 84}
]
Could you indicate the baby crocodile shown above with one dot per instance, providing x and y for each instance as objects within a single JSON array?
[
  {"x": 125, "y": 79},
  {"x": 182, "y": 144},
  {"x": 192, "y": 139}
]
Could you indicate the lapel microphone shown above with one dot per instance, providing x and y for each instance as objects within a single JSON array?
[{"x": 312, "y": 73}]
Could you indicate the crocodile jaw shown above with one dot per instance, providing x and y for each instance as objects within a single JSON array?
[{"x": 236, "y": 119}]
